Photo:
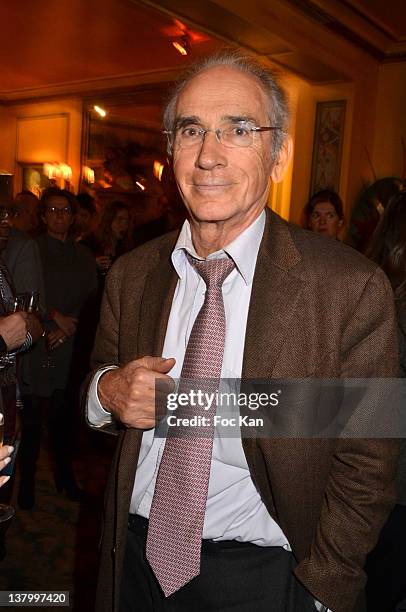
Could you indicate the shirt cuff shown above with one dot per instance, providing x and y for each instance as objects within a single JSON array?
[
  {"x": 320, "y": 607},
  {"x": 96, "y": 415}
]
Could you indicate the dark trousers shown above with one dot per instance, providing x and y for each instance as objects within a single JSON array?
[
  {"x": 386, "y": 566},
  {"x": 234, "y": 578},
  {"x": 59, "y": 415}
]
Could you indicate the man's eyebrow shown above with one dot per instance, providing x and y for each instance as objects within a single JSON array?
[
  {"x": 181, "y": 122},
  {"x": 239, "y": 119}
]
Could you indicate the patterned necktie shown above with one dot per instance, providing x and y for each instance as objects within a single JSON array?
[{"x": 178, "y": 506}]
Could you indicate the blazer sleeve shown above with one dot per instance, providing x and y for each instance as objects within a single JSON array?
[
  {"x": 106, "y": 348},
  {"x": 360, "y": 489}
]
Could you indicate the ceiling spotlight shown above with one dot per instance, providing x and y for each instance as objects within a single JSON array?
[
  {"x": 182, "y": 44},
  {"x": 100, "y": 111}
]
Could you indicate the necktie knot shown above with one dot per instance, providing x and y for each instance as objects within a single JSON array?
[{"x": 213, "y": 271}]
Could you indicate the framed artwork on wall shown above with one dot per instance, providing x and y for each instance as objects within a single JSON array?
[{"x": 327, "y": 146}]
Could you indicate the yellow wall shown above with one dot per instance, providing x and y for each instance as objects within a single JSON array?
[
  {"x": 390, "y": 123},
  {"x": 303, "y": 99},
  {"x": 41, "y": 132}
]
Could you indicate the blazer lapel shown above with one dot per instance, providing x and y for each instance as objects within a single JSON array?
[
  {"x": 275, "y": 294},
  {"x": 156, "y": 305}
]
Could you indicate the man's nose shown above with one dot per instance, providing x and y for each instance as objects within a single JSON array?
[{"x": 211, "y": 153}]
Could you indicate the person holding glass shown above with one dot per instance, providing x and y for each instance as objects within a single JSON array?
[
  {"x": 70, "y": 279},
  {"x": 17, "y": 332},
  {"x": 13, "y": 332}
]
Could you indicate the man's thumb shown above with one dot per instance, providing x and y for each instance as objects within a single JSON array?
[{"x": 159, "y": 364}]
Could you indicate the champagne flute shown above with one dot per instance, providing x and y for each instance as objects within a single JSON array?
[
  {"x": 6, "y": 511},
  {"x": 32, "y": 302}
]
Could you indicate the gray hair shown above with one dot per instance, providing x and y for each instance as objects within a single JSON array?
[{"x": 278, "y": 110}]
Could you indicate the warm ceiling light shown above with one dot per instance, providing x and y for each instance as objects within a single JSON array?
[
  {"x": 88, "y": 175},
  {"x": 66, "y": 172},
  {"x": 158, "y": 169},
  {"x": 52, "y": 171},
  {"x": 99, "y": 110},
  {"x": 140, "y": 185},
  {"x": 182, "y": 45}
]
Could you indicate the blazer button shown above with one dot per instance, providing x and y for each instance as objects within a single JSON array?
[{"x": 113, "y": 551}]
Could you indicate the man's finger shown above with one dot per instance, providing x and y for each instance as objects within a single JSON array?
[
  {"x": 158, "y": 364},
  {"x": 3, "y": 480}
]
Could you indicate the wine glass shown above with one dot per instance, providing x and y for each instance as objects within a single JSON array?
[{"x": 6, "y": 511}]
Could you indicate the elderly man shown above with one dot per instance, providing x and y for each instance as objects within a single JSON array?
[{"x": 237, "y": 524}]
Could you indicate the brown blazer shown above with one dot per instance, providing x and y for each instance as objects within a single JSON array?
[{"x": 317, "y": 309}]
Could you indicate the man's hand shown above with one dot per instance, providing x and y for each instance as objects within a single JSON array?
[
  {"x": 34, "y": 327},
  {"x": 103, "y": 262},
  {"x": 13, "y": 328},
  {"x": 5, "y": 452},
  {"x": 129, "y": 392},
  {"x": 67, "y": 323},
  {"x": 55, "y": 338}
]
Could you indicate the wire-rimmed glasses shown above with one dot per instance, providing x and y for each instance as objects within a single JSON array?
[{"x": 232, "y": 135}]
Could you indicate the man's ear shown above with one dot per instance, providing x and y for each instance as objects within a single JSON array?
[{"x": 284, "y": 157}]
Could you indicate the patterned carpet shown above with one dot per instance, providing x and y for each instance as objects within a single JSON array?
[{"x": 54, "y": 546}]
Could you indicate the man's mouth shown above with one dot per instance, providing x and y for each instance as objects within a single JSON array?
[{"x": 208, "y": 186}]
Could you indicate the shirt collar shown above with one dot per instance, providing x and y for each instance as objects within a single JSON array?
[{"x": 243, "y": 250}]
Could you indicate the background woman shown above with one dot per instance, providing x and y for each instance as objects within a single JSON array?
[
  {"x": 386, "y": 564},
  {"x": 324, "y": 213},
  {"x": 113, "y": 234}
]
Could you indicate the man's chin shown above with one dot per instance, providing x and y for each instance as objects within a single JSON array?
[{"x": 211, "y": 211}]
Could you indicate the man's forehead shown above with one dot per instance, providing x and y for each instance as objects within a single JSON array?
[
  {"x": 58, "y": 201},
  {"x": 22, "y": 205},
  {"x": 224, "y": 91}
]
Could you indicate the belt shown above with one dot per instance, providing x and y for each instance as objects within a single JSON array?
[{"x": 139, "y": 525}]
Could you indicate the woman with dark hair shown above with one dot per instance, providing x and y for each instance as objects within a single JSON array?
[
  {"x": 113, "y": 234},
  {"x": 324, "y": 213},
  {"x": 84, "y": 220},
  {"x": 386, "y": 564}
]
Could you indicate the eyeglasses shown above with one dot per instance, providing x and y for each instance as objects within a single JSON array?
[
  {"x": 231, "y": 135},
  {"x": 66, "y": 210}
]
